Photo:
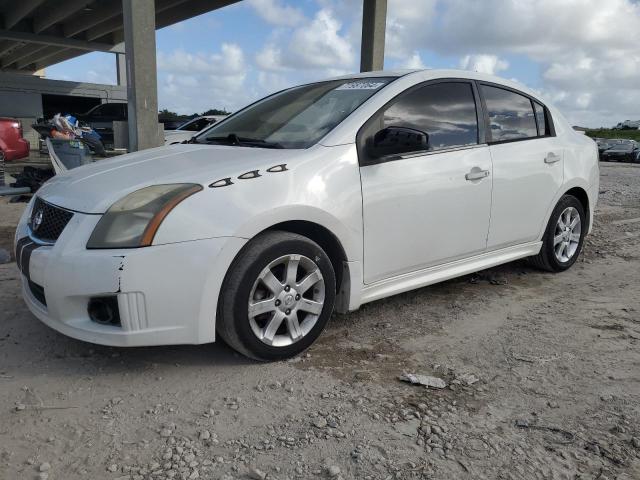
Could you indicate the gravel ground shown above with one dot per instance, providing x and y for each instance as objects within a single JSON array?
[{"x": 542, "y": 372}]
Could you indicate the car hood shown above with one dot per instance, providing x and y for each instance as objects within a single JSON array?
[
  {"x": 614, "y": 150},
  {"x": 95, "y": 187}
]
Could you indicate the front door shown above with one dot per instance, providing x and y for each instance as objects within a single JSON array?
[{"x": 428, "y": 207}]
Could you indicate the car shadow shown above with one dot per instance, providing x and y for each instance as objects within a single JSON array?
[{"x": 30, "y": 344}]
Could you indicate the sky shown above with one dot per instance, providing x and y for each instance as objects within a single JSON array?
[{"x": 581, "y": 55}]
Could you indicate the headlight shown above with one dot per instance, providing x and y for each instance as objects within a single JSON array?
[{"x": 134, "y": 220}]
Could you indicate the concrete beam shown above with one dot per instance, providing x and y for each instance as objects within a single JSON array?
[
  {"x": 194, "y": 8},
  {"x": 142, "y": 84},
  {"x": 53, "y": 40},
  {"x": 105, "y": 28},
  {"x": 115, "y": 24},
  {"x": 38, "y": 56},
  {"x": 374, "y": 19},
  {"x": 16, "y": 71},
  {"x": 57, "y": 13},
  {"x": 105, "y": 11},
  {"x": 20, "y": 53},
  {"x": 60, "y": 56},
  {"x": 19, "y": 11},
  {"x": 6, "y": 46}
]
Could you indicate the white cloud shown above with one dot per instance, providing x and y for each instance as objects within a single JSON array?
[
  {"x": 317, "y": 44},
  {"x": 276, "y": 12},
  {"x": 190, "y": 83},
  {"x": 586, "y": 50},
  {"x": 408, "y": 25},
  {"x": 320, "y": 43},
  {"x": 483, "y": 63},
  {"x": 414, "y": 62}
]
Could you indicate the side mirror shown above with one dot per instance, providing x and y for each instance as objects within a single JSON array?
[{"x": 396, "y": 141}]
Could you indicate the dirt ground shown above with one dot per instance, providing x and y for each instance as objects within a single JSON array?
[{"x": 557, "y": 396}]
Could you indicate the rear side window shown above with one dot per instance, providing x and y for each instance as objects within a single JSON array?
[
  {"x": 541, "y": 118},
  {"x": 511, "y": 115},
  {"x": 445, "y": 111}
]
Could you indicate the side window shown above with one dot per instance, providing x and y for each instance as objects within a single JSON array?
[
  {"x": 446, "y": 112},
  {"x": 541, "y": 117},
  {"x": 510, "y": 114}
]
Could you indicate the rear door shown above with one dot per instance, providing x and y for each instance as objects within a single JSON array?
[
  {"x": 428, "y": 207},
  {"x": 527, "y": 165}
]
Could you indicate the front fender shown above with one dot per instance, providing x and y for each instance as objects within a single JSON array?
[
  {"x": 322, "y": 186},
  {"x": 345, "y": 234}
]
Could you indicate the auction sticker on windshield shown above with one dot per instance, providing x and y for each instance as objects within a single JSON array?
[{"x": 361, "y": 86}]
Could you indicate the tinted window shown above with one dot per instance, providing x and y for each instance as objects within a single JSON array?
[
  {"x": 510, "y": 114},
  {"x": 445, "y": 111},
  {"x": 543, "y": 125}
]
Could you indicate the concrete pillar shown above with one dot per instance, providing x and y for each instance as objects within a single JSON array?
[
  {"x": 374, "y": 19},
  {"x": 141, "y": 73},
  {"x": 121, "y": 67}
]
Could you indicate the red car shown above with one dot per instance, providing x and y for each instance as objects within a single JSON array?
[{"x": 12, "y": 144}]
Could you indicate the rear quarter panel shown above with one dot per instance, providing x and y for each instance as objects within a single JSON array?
[{"x": 580, "y": 164}]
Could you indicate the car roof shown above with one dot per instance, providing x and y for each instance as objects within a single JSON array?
[{"x": 436, "y": 73}]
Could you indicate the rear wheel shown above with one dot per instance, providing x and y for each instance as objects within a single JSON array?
[
  {"x": 277, "y": 296},
  {"x": 563, "y": 238}
]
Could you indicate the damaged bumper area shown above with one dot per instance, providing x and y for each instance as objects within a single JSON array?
[{"x": 164, "y": 294}]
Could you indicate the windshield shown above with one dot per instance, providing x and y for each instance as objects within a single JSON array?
[
  {"x": 295, "y": 118},
  {"x": 623, "y": 146}
]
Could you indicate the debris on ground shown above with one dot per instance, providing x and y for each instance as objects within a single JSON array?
[
  {"x": 526, "y": 351},
  {"x": 426, "y": 380}
]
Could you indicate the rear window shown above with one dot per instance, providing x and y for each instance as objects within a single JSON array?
[
  {"x": 511, "y": 115},
  {"x": 542, "y": 120}
]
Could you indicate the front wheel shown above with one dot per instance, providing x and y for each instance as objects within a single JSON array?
[
  {"x": 563, "y": 238},
  {"x": 277, "y": 296}
]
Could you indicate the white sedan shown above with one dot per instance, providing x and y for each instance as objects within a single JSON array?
[
  {"x": 318, "y": 198},
  {"x": 191, "y": 128}
]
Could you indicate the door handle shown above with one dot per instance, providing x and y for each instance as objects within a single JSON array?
[
  {"x": 551, "y": 158},
  {"x": 476, "y": 174}
]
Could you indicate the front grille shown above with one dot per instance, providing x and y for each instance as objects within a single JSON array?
[
  {"x": 48, "y": 221},
  {"x": 38, "y": 292}
]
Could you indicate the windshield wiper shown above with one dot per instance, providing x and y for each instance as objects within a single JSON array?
[{"x": 234, "y": 140}]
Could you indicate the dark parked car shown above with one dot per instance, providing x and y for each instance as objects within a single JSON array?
[
  {"x": 101, "y": 118},
  {"x": 622, "y": 152},
  {"x": 12, "y": 145},
  {"x": 171, "y": 124},
  {"x": 603, "y": 145}
]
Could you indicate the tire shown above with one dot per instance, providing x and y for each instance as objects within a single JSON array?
[
  {"x": 548, "y": 259},
  {"x": 248, "y": 280}
]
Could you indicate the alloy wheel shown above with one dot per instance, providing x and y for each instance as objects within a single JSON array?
[
  {"x": 567, "y": 234},
  {"x": 286, "y": 300}
]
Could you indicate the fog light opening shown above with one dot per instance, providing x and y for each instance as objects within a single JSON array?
[{"x": 104, "y": 310}]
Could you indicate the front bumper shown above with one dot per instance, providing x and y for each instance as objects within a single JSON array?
[{"x": 166, "y": 294}]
